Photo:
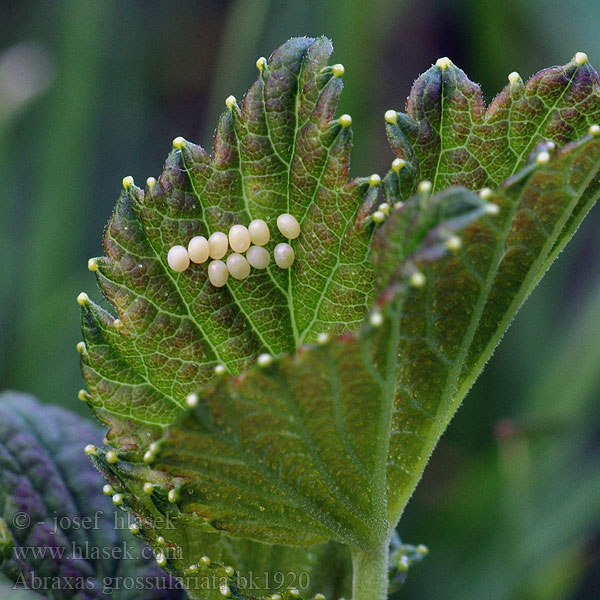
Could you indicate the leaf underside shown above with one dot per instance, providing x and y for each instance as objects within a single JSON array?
[{"x": 329, "y": 441}]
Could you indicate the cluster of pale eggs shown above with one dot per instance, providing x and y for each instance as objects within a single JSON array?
[{"x": 247, "y": 244}]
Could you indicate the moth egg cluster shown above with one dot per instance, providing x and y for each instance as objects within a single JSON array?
[{"x": 246, "y": 244}]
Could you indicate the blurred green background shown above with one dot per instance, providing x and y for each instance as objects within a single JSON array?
[{"x": 92, "y": 90}]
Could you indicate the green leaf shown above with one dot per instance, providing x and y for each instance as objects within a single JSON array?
[
  {"x": 457, "y": 319},
  {"x": 196, "y": 550},
  {"x": 449, "y": 137},
  {"x": 283, "y": 453},
  {"x": 280, "y": 151},
  {"x": 368, "y": 356},
  {"x": 60, "y": 536}
]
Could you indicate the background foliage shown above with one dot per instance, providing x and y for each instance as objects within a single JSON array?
[{"x": 91, "y": 91}]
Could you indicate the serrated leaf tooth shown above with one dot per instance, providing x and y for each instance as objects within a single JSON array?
[
  {"x": 443, "y": 63},
  {"x": 261, "y": 63},
  {"x": 417, "y": 279},
  {"x": 264, "y": 360},
  {"x": 191, "y": 400},
  {"x": 337, "y": 70},
  {"x": 376, "y": 319},
  {"x": 398, "y": 164},
  {"x": 345, "y": 121},
  {"x": 324, "y": 111},
  {"x": 453, "y": 243},
  {"x": 391, "y": 117},
  {"x": 220, "y": 370},
  {"x": 363, "y": 214},
  {"x": 83, "y": 299},
  {"x": 231, "y": 102},
  {"x": 514, "y": 78},
  {"x": 542, "y": 158},
  {"x": 424, "y": 187},
  {"x": 374, "y": 180},
  {"x": 379, "y": 217},
  {"x": 90, "y": 450}
]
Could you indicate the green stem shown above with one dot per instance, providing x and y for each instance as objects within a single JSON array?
[{"x": 370, "y": 573}]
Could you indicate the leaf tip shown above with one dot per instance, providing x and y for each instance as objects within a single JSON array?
[
  {"x": 580, "y": 58},
  {"x": 485, "y": 193},
  {"x": 391, "y": 117},
  {"x": 117, "y": 499},
  {"x": 151, "y": 181},
  {"x": 230, "y": 102},
  {"x": 384, "y": 207},
  {"x": 178, "y": 143},
  {"x": 376, "y": 319},
  {"x": 323, "y": 338},
  {"x": 417, "y": 279},
  {"x": 542, "y": 158},
  {"x": 148, "y": 488},
  {"x": 492, "y": 209},
  {"x": 345, "y": 121},
  {"x": 80, "y": 347},
  {"x": 91, "y": 450},
  {"x": 443, "y": 63},
  {"x": 134, "y": 528},
  {"x": 83, "y": 396},
  {"x": 92, "y": 264},
  {"x": 453, "y": 243},
  {"x": 264, "y": 360},
  {"x": 220, "y": 370},
  {"x": 261, "y": 63},
  {"x": 514, "y": 78},
  {"x": 398, "y": 164},
  {"x": 191, "y": 400},
  {"x": 338, "y": 70},
  {"x": 83, "y": 299},
  {"x": 108, "y": 490},
  {"x": 424, "y": 187},
  {"x": 374, "y": 180},
  {"x": 378, "y": 217},
  {"x": 594, "y": 130},
  {"x": 111, "y": 457},
  {"x": 127, "y": 182}
]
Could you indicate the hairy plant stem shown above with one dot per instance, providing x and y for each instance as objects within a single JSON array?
[{"x": 370, "y": 573}]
